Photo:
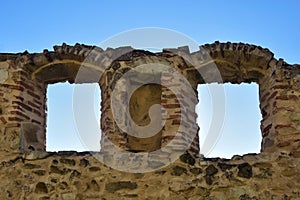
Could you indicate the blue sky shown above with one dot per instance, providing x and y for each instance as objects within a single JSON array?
[{"x": 274, "y": 24}]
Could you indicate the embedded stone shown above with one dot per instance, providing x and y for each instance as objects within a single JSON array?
[
  {"x": 94, "y": 169},
  {"x": 68, "y": 161},
  {"x": 94, "y": 185},
  {"x": 41, "y": 188},
  {"x": 245, "y": 170},
  {"x": 187, "y": 158},
  {"x": 56, "y": 170},
  {"x": 177, "y": 171},
  {"x": 9, "y": 194},
  {"x": 263, "y": 165},
  {"x": 290, "y": 172},
  {"x": 39, "y": 172},
  {"x": 196, "y": 170},
  {"x": 211, "y": 170},
  {"x": 225, "y": 166},
  {"x": 208, "y": 179},
  {"x": 74, "y": 174},
  {"x": 63, "y": 185},
  {"x": 84, "y": 162},
  {"x": 247, "y": 197},
  {"x": 30, "y": 166},
  {"x": 115, "y": 186}
]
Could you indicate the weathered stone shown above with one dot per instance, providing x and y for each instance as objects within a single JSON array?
[
  {"x": 262, "y": 165},
  {"x": 211, "y": 170},
  {"x": 187, "y": 158},
  {"x": 264, "y": 173},
  {"x": 115, "y": 186},
  {"x": 56, "y": 170},
  {"x": 208, "y": 179},
  {"x": 63, "y": 185},
  {"x": 37, "y": 155},
  {"x": 177, "y": 171},
  {"x": 75, "y": 174},
  {"x": 84, "y": 162},
  {"x": 41, "y": 188},
  {"x": 68, "y": 161},
  {"x": 39, "y": 172},
  {"x": 224, "y": 166},
  {"x": 9, "y": 194},
  {"x": 31, "y": 166},
  {"x": 290, "y": 172},
  {"x": 247, "y": 197},
  {"x": 196, "y": 171},
  {"x": 245, "y": 170},
  {"x": 94, "y": 185},
  {"x": 94, "y": 169}
]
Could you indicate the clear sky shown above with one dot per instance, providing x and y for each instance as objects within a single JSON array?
[{"x": 274, "y": 24}]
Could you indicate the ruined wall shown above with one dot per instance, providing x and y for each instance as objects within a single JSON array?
[{"x": 28, "y": 172}]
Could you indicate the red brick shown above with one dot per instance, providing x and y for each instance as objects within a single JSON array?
[
  {"x": 172, "y": 106},
  {"x": 19, "y": 98},
  {"x": 281, "y": 86},
  {"x": 35, "y": 121},
  {"x": 3, "y": 120},
  {"x": 33, "y": 94},
  {"x": 266, "y": 129},
  {"x": 284, "y": 126},
  {"x": 22, "y": 105},
  {"x": 15, "y": 112},
  {"x": 37, "y": 112},
  {"x": 14, "y": 87},
  {"x": 33, "y": 105},
  {"x": 168, "y": 137},
  {"x": 283, "y": 144},
  {"x": 25, "y": 85},
  {"x": 287, "y": 97},
  {"x": 38, "y": 102},
  {"x": 15, "y": 119},
  {"x": 169, "y": 96},
  {"x": 12, "y": 125},
  {"x": 263, "y": 98},
  {"x": 174, "y": 116},
  {"x": 272, "y": 95}
]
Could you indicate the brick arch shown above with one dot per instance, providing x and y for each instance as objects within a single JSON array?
[
  {"x": 245, "y": 61},
  {"x": 63, "y": 63},
  {"x": 240, "y": 62},
  {"x": 236, "y": 62}
]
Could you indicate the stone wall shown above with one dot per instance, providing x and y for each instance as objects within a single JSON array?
[
  {"x": 28, "y": 172},
  {"x": 71, "y": 175}
]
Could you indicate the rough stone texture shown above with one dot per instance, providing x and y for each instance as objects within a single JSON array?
[
  {"x": 261, "y": 176},
  {"x": 28, "y": 172}
]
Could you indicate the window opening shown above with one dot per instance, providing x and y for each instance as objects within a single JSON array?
[
  {"x": 241, "y": 132},
  {"x": 61, "y": 131}
]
